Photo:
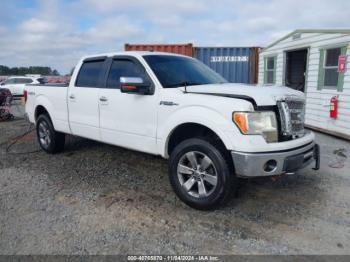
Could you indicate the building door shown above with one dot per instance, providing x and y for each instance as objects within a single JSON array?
[{"x": 296, "y": 69}]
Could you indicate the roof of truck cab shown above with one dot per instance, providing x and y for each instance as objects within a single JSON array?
[{"x": 132, "y": 53}]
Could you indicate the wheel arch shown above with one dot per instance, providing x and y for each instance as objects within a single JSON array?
[
  {"x": 39, "y": 110},
  {"x": 191, "y": 129},
  {"x": 43, "y": 105}
]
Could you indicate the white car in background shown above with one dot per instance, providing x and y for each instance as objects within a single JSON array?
[{"x": 16, "y": 84}]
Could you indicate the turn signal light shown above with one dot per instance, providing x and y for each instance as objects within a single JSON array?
[{"x": 241, "y": 121}]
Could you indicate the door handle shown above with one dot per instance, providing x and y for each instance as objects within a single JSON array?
[
  {"x": 103, "y": 99},
  {"x": 72, "y": 96}
]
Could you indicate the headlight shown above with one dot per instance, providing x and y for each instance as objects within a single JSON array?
[{"x": 257, "y": 123}]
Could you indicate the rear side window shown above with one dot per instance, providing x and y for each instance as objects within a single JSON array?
[
  {"x": 123, "y": 68},
  {"x": 10, "y": 81},
  {"x": 89, "y": 73}
]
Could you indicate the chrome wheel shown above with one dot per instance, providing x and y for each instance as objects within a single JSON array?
[
  {"x": 197, "y": 174},
  {"x": 44, "y": 134}
]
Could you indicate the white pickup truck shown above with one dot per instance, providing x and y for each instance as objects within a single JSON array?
[{"x": 176, "y": 107}]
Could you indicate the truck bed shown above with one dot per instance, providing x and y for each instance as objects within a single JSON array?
[{"x": 54, "y": 98}]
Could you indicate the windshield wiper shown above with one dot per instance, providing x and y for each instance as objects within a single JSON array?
[
  {"x": 175, "y": 85},
  {"x": 185, "y": 84}
]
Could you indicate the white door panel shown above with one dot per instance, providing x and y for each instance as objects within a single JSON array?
[
  {"x": 83, "y": 102},
  {"x": 18, "y": 89},
  {"x": 84, "y": 112},
  {"x": 128, "y": 120}
]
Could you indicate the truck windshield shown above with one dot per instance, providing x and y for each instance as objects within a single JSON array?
[{"x": 176, "y": 71}]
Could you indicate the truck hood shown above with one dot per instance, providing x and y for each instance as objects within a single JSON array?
[{"x": 262, "y": 95}]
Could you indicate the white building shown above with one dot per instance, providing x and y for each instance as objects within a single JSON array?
[{"x": 308, "y": 60}]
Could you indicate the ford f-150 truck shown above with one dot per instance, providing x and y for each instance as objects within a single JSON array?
[{"x": 174, "y": 106}]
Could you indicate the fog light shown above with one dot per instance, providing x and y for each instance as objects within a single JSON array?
[{"x": 270, "y": 165}]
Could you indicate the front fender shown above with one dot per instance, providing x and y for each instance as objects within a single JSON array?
[{"x": 207, "y": 117}]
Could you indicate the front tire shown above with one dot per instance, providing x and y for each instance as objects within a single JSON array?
[
  {"x": 49, "y": 140},
  {"x": 201, "y": 174}
]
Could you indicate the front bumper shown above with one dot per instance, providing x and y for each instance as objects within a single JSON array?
[{"x": 275, "y": 163}]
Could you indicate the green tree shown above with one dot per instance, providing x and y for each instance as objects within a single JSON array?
[
  {"x": 37, "y": 70},
  {"x": 55, "y": 72}
]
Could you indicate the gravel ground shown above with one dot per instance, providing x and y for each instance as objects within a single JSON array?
[{"x": 99, "y": 199}]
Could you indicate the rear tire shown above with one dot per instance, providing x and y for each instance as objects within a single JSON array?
[
  {"x": 49, "y": 140},
  {"x": 200, "y": 174}
]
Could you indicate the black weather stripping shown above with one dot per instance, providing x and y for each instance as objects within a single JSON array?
[{"x": 244, "y": 97}]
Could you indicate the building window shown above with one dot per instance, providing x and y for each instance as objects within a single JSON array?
[
  {"x": 270, "y": 70},
  {"x": 331, "y": 67},
  {"x": 329, "y": 77}
]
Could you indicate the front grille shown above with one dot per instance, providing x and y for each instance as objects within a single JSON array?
[{"x": 292, "y": 117}]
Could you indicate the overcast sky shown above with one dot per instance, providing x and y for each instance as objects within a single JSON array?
[{"x": 57, "y": 33}]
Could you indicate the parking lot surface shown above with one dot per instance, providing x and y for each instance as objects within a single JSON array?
[{"x": 100, "y": 199}]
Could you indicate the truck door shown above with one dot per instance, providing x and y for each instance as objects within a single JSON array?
[
  {"x": 83, "y": 100},
  {"x": 127, "y": 120}
]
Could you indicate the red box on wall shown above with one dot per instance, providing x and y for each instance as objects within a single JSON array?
[{"x": 342, "y": 63}]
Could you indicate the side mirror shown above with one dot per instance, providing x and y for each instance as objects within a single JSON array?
[{"x": 135, "y": 85}]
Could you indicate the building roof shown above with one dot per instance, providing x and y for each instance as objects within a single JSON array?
[{"x": 300, "y": 31}]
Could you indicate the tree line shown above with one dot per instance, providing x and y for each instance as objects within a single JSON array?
[{"x": 35, "y": 70}]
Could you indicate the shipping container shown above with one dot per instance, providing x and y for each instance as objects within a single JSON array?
[
  {"x": 235, "y": 64},
  {"x": 182, "y": 49}
]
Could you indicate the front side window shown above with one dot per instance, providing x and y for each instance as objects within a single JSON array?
[
  {"x": 89, "y": 73},
  {"x": 123, "y": 68},
  {"x": 270, "y": 70},
  {"x": 177, "y": 71}
]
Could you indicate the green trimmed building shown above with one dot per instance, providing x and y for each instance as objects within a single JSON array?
[{"x": 307, "y": 60}]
